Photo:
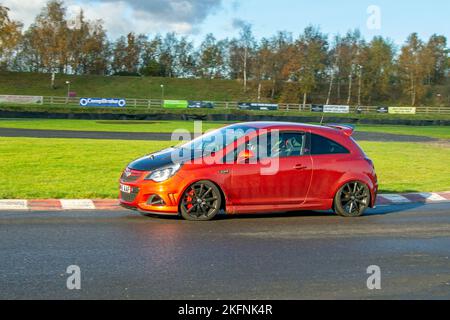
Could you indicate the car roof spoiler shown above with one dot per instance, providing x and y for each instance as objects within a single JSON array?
[{"x": 346, "y": 129}]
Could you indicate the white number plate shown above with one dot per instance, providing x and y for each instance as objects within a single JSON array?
[{"x": 125, "y": 189}]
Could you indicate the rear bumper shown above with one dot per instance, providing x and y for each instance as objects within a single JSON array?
[{"x": 374, "y": 195}]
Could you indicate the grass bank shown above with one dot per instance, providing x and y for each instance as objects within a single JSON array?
[{"x": 125, "y": 87}]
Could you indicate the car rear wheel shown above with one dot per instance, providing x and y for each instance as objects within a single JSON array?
[
  {"x": 352, "y": 199},
  {"x": 201, "y": 202}
]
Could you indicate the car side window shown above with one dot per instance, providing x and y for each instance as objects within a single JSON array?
[
  {"x": 283, "y": 145},
  {"x": 321, "y": 146}
]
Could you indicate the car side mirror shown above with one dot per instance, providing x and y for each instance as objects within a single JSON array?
[{"x": 245, "y": 156}]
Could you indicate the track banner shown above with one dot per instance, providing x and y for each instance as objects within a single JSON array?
[
  {"x": 336, "y": 109},
  {"x": 21, "y": 99},
  {"x": 175, "y": 104},
  {"x": 103, "y": 102},
  {"x": 402, "y": 110}
]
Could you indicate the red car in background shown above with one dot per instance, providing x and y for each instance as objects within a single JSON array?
[{"x": 260, "y": 167}]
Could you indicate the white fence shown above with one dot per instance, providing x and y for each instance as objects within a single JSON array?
[{"x": 158, "y": 104}]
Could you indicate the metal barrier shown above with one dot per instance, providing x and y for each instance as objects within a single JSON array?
[{"x": 158, "y": 104}]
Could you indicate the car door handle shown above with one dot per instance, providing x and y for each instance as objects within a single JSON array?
[{"x": 300, "y": 167}]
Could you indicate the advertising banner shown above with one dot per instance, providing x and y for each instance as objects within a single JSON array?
[
  {"x": 103, "y": 102},
  {"x": 200, "y": 104},
  {"x": 336, "y": 109},
  {"x": 258, "y": 106},
  {"x": 175, "y": 104},
  {"x": 402, "y": 110},
  {"x": 21, "y": 99}
]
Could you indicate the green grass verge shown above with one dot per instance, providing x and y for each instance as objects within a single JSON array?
[
  {"x": 107, "y": 126},
  {"x": 66, "y": 168},
  {"x": 410, "y": 167},
  {"x": 439, "y": 132},
  {"x": 59, "y": 168}
]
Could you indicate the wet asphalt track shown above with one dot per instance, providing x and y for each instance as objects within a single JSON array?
[
  {"x": 123, "y": 255},
  {"x": 31, "y": 133}
]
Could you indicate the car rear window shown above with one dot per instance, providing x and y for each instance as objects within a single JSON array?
[{"x": 321, "y": 145}]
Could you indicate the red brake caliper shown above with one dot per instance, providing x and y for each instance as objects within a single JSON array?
[{"x": 189, "y": 199}]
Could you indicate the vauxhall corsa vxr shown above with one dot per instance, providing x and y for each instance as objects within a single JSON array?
[{"x": 317, "y": 168}]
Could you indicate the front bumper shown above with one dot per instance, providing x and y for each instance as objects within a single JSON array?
[{"x": 144, "y": 193}]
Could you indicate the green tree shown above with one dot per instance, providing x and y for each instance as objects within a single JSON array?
[
  {"x": 414, "y": 67},
  {"x": 150, "y": 58},
  {"x": 378, "y": 69},
  {"x": 310, "y": 62},
  {"x": 167, "y": 54},
  {"x": 345, "y": 62},
  {"x": 119, "y": 57},
  {"x": 437, "y": 56},
  {"x": 211, "y": 58},
  {"x": 185, "y": 60}
]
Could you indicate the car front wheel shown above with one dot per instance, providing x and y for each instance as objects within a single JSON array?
[
  {"x": 352, "y": 199},
  {"x": 201, "y": 202}
]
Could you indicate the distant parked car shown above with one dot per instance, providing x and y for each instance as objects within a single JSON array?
[
  {"x": 382, "y": 109},
  {"x": 315, "y": 168}
]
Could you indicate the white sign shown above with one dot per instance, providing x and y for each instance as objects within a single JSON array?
[
  {"x": 102, "y": 102},
  {"x": 21, "y": 99},
  {"x": 402, "y": 110},
  {"x": 336, "y": 109}
]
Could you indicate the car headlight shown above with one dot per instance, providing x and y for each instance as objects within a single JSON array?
[{"x": 164, "y": 174}]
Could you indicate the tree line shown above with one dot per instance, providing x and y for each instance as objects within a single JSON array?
[{"x": 311, "y": 68}]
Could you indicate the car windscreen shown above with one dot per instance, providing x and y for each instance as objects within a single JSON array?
[{"x": 216, "y": 140}]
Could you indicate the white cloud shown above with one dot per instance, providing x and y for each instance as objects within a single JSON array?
[
  {"x": 123, "y": 16},
  {"x": 24, "y": 11}
]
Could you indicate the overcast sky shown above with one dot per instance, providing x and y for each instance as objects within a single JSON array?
[{"x": 393, "y": 19}]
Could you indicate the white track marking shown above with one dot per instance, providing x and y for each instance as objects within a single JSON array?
[
  {"x": 432, "y": 197},
  {"x": 13, "y": 205},
  {"x": 77, "y": 205},
  {"x": 395, "y": 198}
]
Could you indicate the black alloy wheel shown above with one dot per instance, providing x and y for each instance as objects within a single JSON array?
[
  {"x": 201, "y": 202},
  {"x": 352, "y": 199}
]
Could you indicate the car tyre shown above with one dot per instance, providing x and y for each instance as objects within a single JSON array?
[
  {"x": 352, "y": 199},
  {"x": 201, "y": 201}
]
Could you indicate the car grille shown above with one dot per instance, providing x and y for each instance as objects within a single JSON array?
[
  {"x": 129, "y": 197},
  {"x": 130, "y": 176}
]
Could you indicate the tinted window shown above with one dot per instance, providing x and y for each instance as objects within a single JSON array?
[
  {"x": 322, "y": 145},
  {"x": 285, "y": 144}
]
